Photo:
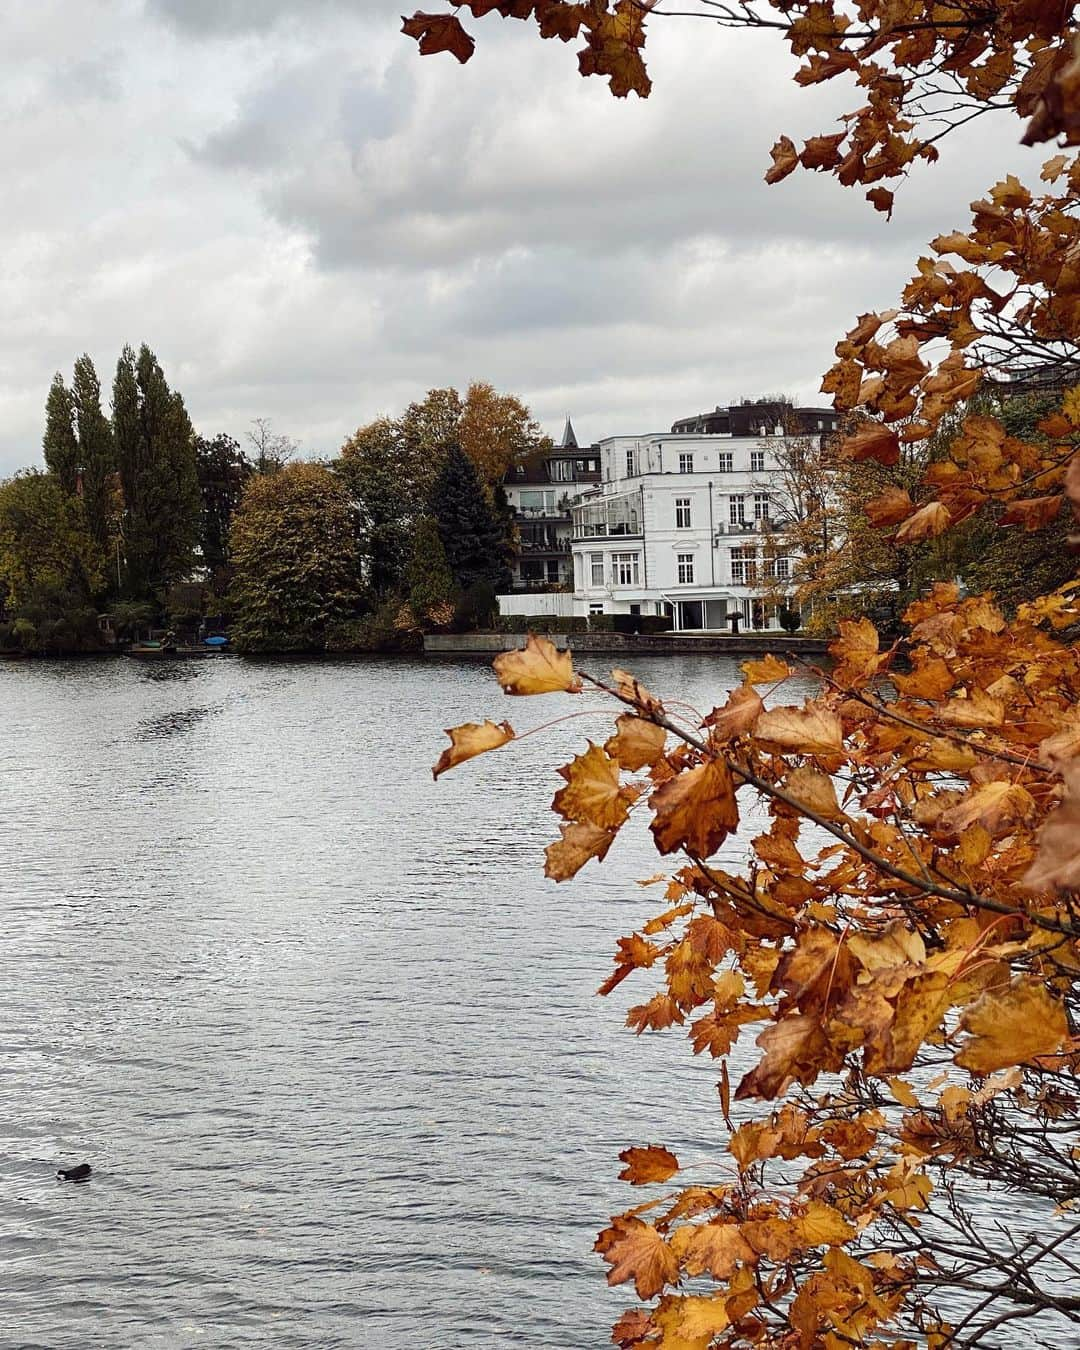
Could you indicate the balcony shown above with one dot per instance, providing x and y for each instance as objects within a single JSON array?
[{"x": 608, "y": 517}]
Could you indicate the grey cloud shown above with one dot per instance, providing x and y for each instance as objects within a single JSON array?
[{"x": 215, "y": 18}]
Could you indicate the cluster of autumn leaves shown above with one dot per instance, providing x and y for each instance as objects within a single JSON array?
[{"x": 909, "y": 904}]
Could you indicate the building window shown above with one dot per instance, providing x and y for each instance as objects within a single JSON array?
[
  {"x": 596, "y": 609},
  {"x": 686, "y": 463},
  {"x": 629, "y": 463},
  {"x": 624, "y": 569},
  {"x": 783, "y": 569},
  {"x": 685, "y": 563},
  {"x": 596, "y": 568},
  {"x": 562, "y": 471},
  {"x": 737, "y": 510},
  {"x": 743, "y": 566},
  {"x": 682, "y": 513},
  {"x": 725, "y": 461},
  {"x": 757, "y": 461},
  {"x": 761, "y": 506}
]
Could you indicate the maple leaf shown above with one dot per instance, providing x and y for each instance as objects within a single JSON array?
[
  {"x": 737, "y": 716},
  {"x": 796, "y": 1050},
  {"x": 978, "y": 709},
  {"x": 872, "y": 441},
  {"x": 439, "y": 33},
  {"x": 927, "y": 522},
  {"x": 856, "y": 651},
  {"x": 538, "y": 668},
  {"x": 1057, "y": 862},
  {"x": 593, "y": 794},
  {"x": 785, "y": 159},
  {"x": 1012, "y": 1026},
  {"x": 636, "y": 1251},
  {"x": 821, "y": 1225},
  {"x": 1033, "y": 513},
  {"x": 647, "y": 1165},
  {"x": 815, "y": 791},
  {"x": 810, "y": 730},
  {"x": 691, "y": 1321},
  {"x": 580, "y": 842},
  {"x": 474, "y": 738},
  {"x": 998, "y": 807},
  {"x": 889, "y": 507},
  {"x": 637, "y": 743},
  {"x": 630, "y": 687},
  {"x": 1064, "y": 745},
  {"x": 632, "y": 1328},
  {"x": 695, "y": 810}
]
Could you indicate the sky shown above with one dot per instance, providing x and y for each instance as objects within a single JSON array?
[{"x": 310, "y": 223}]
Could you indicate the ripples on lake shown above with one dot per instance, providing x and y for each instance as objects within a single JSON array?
[{"x": 326, "y": 1034}]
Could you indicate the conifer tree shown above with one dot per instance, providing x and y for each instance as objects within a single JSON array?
[
  {"x": 96, "y": 449},
  {"x": 431, "y": 583},
  {"x": 60, "y": 444},
  {"x": 223, "y": 471},
  {"x": 472, "y": 537},
  {"x": 155, "y": 449}
]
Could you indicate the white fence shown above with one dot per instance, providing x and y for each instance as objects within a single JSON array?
[{"x": 550, "y": 604}]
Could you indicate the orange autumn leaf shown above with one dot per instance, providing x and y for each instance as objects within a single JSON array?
[
  {"x": 785, "y": 159},
  {"x": 630, "y": 687},
  {"x": 1012, "y": 1026},
  {"x": 695, "y": 810},
  {"x": 647, "y": 1165},
  {"x": 856, "y": 651},
  {"x": 978, "y": 709},
  {"x": 538, "y": 668},
  {"x": 636, "y": 1251},
  {"x": 767, "y": 670},
  {"x": 1057, "y": 861},
  {"x": 810, "y": 730},
  {"x": 889, "y": 507},
  {"x": 872, "y": 441},
  {"x": 637, "y": 743},
  {"x": 927, "y": 522},
  {"x": 815, "y": 791},
  {"x": 737, "y": 716},
  {"x": 997, "y": 807},
  {"x": 580, "y": 842},
  {"x": 593, "y": 794},
  {"x": 439, "y": 33},
  {"x": 1033, "y": 513},
  {"x": 471, "y": 739}
]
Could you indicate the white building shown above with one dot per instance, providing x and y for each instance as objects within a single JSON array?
[{"x": 690, "y": 524}]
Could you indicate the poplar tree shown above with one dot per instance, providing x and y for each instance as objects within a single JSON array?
[
  {"x": 60, "y": 444},
  {"x": 96, "y": 450},
  {"x": 155, "y": 450}
]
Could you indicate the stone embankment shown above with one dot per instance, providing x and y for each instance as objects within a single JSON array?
[{"x": 659, "y": 644}]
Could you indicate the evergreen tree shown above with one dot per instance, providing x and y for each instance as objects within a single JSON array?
[
  {"x": 60, "y": 444},
  {"x": 472, "y": 537},
  {"x": 379, "y": 472},
  {"x": 223, "y": 471},
  {"x": 155, "y": 450},
  {"x": 430, "y": 582},
  {"x": 97, "y": 451}
]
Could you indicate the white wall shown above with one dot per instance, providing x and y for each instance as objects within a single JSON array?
[{"x": 551, "y": 604}]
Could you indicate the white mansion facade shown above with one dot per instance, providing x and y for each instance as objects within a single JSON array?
[{"x": 691, "y": 522}]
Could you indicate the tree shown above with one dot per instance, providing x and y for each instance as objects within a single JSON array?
[
  {"x": 272, "y": 450},
  {"x": 388, "y": 488},
  {"x": 51, "y": 568},
  {"x": 905, "y": 929},
  {"x": 472, "y": 538},
  {"x": 295, "y": 560},
  {"x": 430, "y": 582},
  {"x": 96, "y": 452},
  {"x": 497, "y": 431},
  {"x": 155, "y": 451},
  {"x": 223, "y": 471},
  {"x": 60, "y": 444},
  {"x": 427, "y": 429}
]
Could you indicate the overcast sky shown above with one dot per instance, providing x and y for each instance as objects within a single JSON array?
[{"x": 309, "y": 222}]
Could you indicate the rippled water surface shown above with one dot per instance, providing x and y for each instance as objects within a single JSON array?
[{"x": 326, "y": 1034}]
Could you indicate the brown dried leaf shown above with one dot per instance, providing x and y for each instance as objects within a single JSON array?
[
  {"x": 471, "y": 739},
  {"x": 538, "y": 668},
  {"x": 647, "y": 1165}
]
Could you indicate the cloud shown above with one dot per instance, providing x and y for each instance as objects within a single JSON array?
[{"x": 309, "y": 222}]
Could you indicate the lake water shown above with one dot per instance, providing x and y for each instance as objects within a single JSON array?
[{"x": 326, "y": 1034}]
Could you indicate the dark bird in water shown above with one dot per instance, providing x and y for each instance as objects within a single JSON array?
[{"x": 79, "y": 1173}]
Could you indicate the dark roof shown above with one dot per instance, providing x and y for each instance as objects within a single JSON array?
[{"x": 748, "y": 418}]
